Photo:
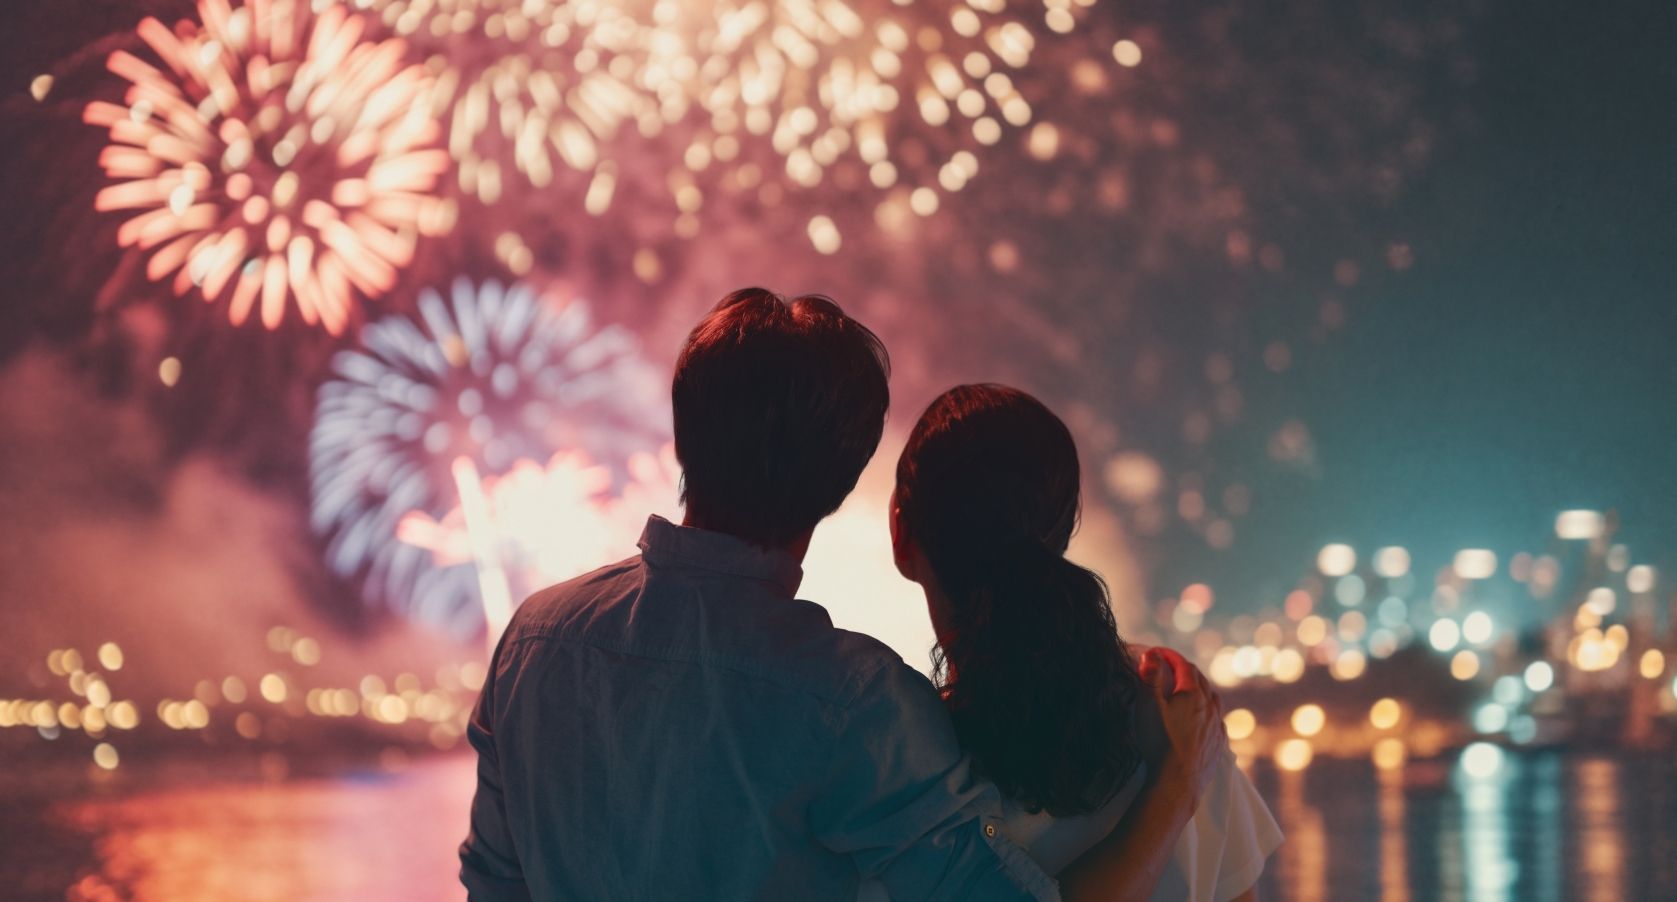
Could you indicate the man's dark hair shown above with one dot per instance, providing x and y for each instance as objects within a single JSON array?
[{"x": 778, "y": 407}]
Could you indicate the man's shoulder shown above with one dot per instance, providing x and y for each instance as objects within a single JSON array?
[
  {"x": 544, "y": 610},
  {"x": 791, "y": 642},
  {"x": 846, "y": 664}
]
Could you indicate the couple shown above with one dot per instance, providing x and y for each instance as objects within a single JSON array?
[{"x": 679, "y": 726}]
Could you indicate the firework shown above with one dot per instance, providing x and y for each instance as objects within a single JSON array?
[
  {"x": 527, "y": 86},
  {"x": 277, "y": 157},
  {"x": 542, "y": 523},
  {"x": 741, "y": 97},
  {"x": 494, "y": 376}
]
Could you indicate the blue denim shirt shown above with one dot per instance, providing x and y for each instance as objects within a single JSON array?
[{"x": 678, "y": 726}]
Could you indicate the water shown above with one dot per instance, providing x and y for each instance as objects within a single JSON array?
[{"x": 1547, "y": 826}]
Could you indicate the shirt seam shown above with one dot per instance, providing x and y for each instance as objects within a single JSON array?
[{"x": 850, "y": 691}]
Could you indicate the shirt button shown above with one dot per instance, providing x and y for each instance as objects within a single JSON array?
[{"x": 989, "y": 829}]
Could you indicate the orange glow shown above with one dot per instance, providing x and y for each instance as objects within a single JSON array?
[
  {"x": 1127, "y": 53},
  {"x": 1288, "y": 666},
  {"x": 1349, "y": 665},
  {"x": 1308, "y": 720},
  {"x": 1312, "y": 630},
  {"x": 1385, "y": 713},
  {"x": 1389, "y": 753},
  {"x": 273, "y": 688},
  {"x": 1293, "y": 755},
  {"x": 1240, "y": 724}
]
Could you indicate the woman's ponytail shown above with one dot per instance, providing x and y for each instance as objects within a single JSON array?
[
  {"x": 1038, "y": 683},
  {"x": 1039, "y": 686}
]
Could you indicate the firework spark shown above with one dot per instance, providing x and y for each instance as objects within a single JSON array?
[
  {"x": 749, "y": 98},
  {"x": 552, "y": 521},
  {"x": 276, "y": 156},
  {"x": 493, "y": 375},
  {"x": 527, "y": 86}
]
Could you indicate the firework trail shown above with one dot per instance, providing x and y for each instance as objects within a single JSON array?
[
  {"x": 276, "y": 157},
  {"x": 492, "y": 375}
]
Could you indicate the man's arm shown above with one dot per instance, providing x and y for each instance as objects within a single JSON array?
[
  {"x": 488, "y": 863},
  {"x": 1130, "y": 861},
  {"x": 900, "y": 801}
]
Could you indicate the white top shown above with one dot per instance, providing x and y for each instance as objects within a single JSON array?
[{"x": 1219, "y": 856}]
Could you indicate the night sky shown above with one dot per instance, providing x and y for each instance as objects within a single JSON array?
[
  {"x": 1525, "y": 364},
  {"x": 1521, "y": 367}
]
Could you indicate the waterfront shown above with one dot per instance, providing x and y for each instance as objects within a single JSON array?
[{"x": 1545, "y": 825}]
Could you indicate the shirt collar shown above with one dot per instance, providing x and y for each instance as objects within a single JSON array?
[{"x": 663, "y": 542}]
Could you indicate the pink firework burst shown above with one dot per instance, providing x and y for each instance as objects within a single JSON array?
[{"x": 276, "y": 156}]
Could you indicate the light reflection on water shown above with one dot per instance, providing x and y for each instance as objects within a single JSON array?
[
  {"x": 1394, "y": 845},
  {"x": 1547, "y": 826}
]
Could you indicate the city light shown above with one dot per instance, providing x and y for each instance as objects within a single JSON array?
[
  {"x": 1389, "y": 753},
  {"x": 1579, "y": 524},
  {"x": 1348, "y": 665},
  {"x": 1490, "y": 718},
  {"x": 1475, "y": 563},
  {"x": 1444, "y": 634},
  {"x": 1336, "y": 560},
  {"x": 1240, "y": 724},
  {"x": 1308, "y": 720},
  {"x": 1391, "y": 562},
  {"x": 1385, "y": 713},
  {"x": 1481, "y": 760},
  {"x": 1477, "y": 628},
  {"x": 1312, "y": 630},
  {"x": 1294, "y": 754}
]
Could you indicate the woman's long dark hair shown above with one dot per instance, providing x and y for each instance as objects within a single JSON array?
[{"x": 1040, "y": 687}]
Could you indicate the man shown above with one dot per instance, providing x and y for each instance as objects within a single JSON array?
[{"x": 679, "y": 726}]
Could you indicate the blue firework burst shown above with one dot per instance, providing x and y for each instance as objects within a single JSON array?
[{"x": 492, "y": 373}]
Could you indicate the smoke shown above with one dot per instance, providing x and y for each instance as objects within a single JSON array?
[{"x": 184, "y": 565}]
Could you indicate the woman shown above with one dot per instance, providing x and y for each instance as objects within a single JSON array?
[{"x": 1043, "y": 693}]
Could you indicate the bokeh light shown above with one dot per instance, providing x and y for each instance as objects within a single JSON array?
[
  {"x": 1240, "y": 724},
  {"x": 1385, "y": 713},
  {"x": 1308, "y": 720},
  {"x": 1336, "y": 560},
  {"x": 1481, "y": 760},
  {"x": 1294, "y": 754}
]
